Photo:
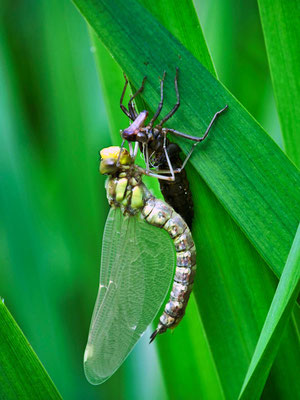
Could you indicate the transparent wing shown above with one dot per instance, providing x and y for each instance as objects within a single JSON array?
[{"x": 137, "y": 266}]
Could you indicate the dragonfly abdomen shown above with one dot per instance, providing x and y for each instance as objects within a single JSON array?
[
  {"x": 126, "y": 190},
  {"x": 160, "y": 214}
]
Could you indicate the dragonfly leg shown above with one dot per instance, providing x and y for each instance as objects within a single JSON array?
[
  {"x": 160, "y": 105},
  {"x": 146, "y": 156},
  {"x": 175, "y": 108},
  {"x": 196, "y": 139},
  {"x": 211, "y": 123},
  {"x": 150, "y": 160},
  {"x": 168, "y": 158},
  {"x": 121, "y": 149},
  {"x": 166, "y": 171},
  {"x": 123, "y": 108},
  {"x": 149, "y": 172},
  {"x": 136, "y": 147},
  {"x": 131, "y": 106},
  {"x": 158, "y": 176},
  {"x": 178, "y": 170},
  {"x": 130, "y": 149}
]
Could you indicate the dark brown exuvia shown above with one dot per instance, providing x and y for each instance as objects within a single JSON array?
[{"x": 161, "y": 155}]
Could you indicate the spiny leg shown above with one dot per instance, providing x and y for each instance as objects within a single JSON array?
[
  {"x": 130, "y": 104},
  {"x": 136, "y": 147},
  {"x": 150, "y": 160},
  {"x": 175, "y": 108},
  {"x": 158, "y": 176},
  {"x": 146, "y": 156},
  {"x": 149, "y": 172},
  {"x": 130, "y": 149},
  {"x": 171, "y": 170},
  {"x": 211, "y": 123},
  {"x": 194, "y": 138},
  {"x": 123, "y": 108},
  {"x": 160, "y": 105}
]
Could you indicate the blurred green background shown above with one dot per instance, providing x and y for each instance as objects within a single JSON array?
[{"x": 52, "y": 200}]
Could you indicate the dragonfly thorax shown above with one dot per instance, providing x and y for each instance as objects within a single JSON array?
[
  {"x": 127, "y": 191},
  {"x": 124, "y": 187}
]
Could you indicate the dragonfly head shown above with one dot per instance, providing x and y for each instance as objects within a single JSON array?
[{"x": 112, "y": 160}]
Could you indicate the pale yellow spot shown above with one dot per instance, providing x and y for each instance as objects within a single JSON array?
[
  {"x": 121, "y": 188},
  {"x": 137, "y": 197}
]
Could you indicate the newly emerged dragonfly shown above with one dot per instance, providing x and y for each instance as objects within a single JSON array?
[
  {"x": 162, "y": 154},
  {"x": 137, "y": 266}
]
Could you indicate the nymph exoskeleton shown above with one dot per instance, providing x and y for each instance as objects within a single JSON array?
[{"x": 161, "y": 156}]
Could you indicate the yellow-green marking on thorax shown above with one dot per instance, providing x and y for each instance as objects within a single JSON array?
[
  {"x": 137, "y": 200},
  {"x": 121, "y": 189},
  {"x": 124, "y": 186}
]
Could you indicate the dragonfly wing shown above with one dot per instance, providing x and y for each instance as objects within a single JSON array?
[{"x": 137, "y": 266}]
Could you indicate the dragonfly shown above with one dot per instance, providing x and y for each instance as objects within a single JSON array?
[
  {"x": 159, "y": 152},
  {"x": 137, "y": 266}
]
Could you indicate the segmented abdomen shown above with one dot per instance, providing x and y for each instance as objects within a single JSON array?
[{"x": 160, "y": 214}]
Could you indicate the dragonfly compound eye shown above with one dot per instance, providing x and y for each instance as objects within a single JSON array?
[
  {"x": 108, "y": 166},
  {"x": 111, "y": 159}
]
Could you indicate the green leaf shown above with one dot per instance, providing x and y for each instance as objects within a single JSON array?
[
  {"x": 111, "y": 88},
  {"x": 280, "y": 22},
  {"x": 22, "y": 376},
  {"x": 186, "y": 356},
  {"x": 271, "y": 334},
  {"x": 190, "y": 342},
  {"x": 249, "y": 174},
  {"x": 232, "y": 279},
  {"x": 182, "y": 21}
]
